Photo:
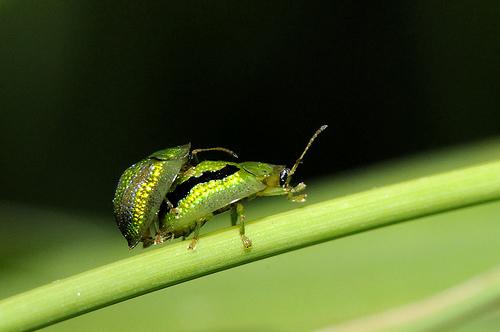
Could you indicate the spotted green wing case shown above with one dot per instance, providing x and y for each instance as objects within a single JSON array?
[{"x": 142, "y": 189}]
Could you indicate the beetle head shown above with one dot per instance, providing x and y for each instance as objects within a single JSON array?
[
  {"x": 274, "y": 177},
  {"x": 279, "y": 177},
  {"x": 266, "y": 173}
]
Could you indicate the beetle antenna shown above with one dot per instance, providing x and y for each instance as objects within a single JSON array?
[
  {"x": 299, "y": 161},
  {"x": 194, "y": 153}
]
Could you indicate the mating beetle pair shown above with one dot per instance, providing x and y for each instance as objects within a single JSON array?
[{"x": 170, "y": 194}]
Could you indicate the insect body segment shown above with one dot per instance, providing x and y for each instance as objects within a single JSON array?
[
  {"x": 213, "y": 187},
  {"x": 142, "y": 189}
]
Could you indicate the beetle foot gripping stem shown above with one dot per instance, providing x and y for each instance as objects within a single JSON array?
[
  {"x": 148, "y": 241},
  {"x": 194, "y": 241},
  {"x": 247, "y": 243},
  {"x": 159, "y": 238},
  {"x": 297, "y": 198},
  {"x": 237, "y": 212},
  {"x": 192, "y": 245}
]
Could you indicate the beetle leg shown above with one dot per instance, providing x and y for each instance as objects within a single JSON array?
[
  {"x": 234, "y": 215},
  {"x": 298, "y": 188},
  {"x": 237, "y": 212},
  {"x": 170, "y": 206},
  {"x": 148, "y": 238},
  {"x": 147, "y": 241},
  {"x": 297, "y": 198},
  {"x": 194, "y": 240}
]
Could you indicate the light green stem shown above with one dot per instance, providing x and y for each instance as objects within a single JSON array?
[
  {"x": 173, "y": 264},
  {"x": 439, "y": 312}
]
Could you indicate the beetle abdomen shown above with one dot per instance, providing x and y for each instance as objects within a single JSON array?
[
  {"x": 183, "y": 189},
  {"x": 200, "y": 196},
  {"x": 138, "y": 198},
  {"x": 142, "y": 188}
]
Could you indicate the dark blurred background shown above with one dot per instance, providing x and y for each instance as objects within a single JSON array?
[{"x": 89, "y": 87}]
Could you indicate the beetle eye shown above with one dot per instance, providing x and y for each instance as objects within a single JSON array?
[{"x": 283, "y": 176}]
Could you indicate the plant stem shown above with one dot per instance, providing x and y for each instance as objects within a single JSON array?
[
  {"x": 173, "y": 264},
  {"x": 440, "y": 312}
]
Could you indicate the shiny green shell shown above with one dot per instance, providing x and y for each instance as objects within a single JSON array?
[
  {"x": 142, "y": 189},
  {"x": 213, "y": 193}
]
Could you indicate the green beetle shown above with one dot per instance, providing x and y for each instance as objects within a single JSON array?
[
  {"x": 213, "y": 187},
  {"x": 142, "y": 188},
  {"x": 169, "y": 194}
]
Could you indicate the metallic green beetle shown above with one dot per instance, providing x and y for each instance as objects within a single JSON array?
[
  {"x": 212, "y": 187},
  {"x": 142, "y": 189},
  {"x": 195, "y": 193}
]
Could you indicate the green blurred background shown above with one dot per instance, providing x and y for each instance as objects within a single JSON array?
[{"x": 87, "y": 88}]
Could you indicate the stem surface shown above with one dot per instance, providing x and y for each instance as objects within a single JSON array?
[
  {"x": 173, "y": 264},
  {"x": 440, "y": 312}
]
